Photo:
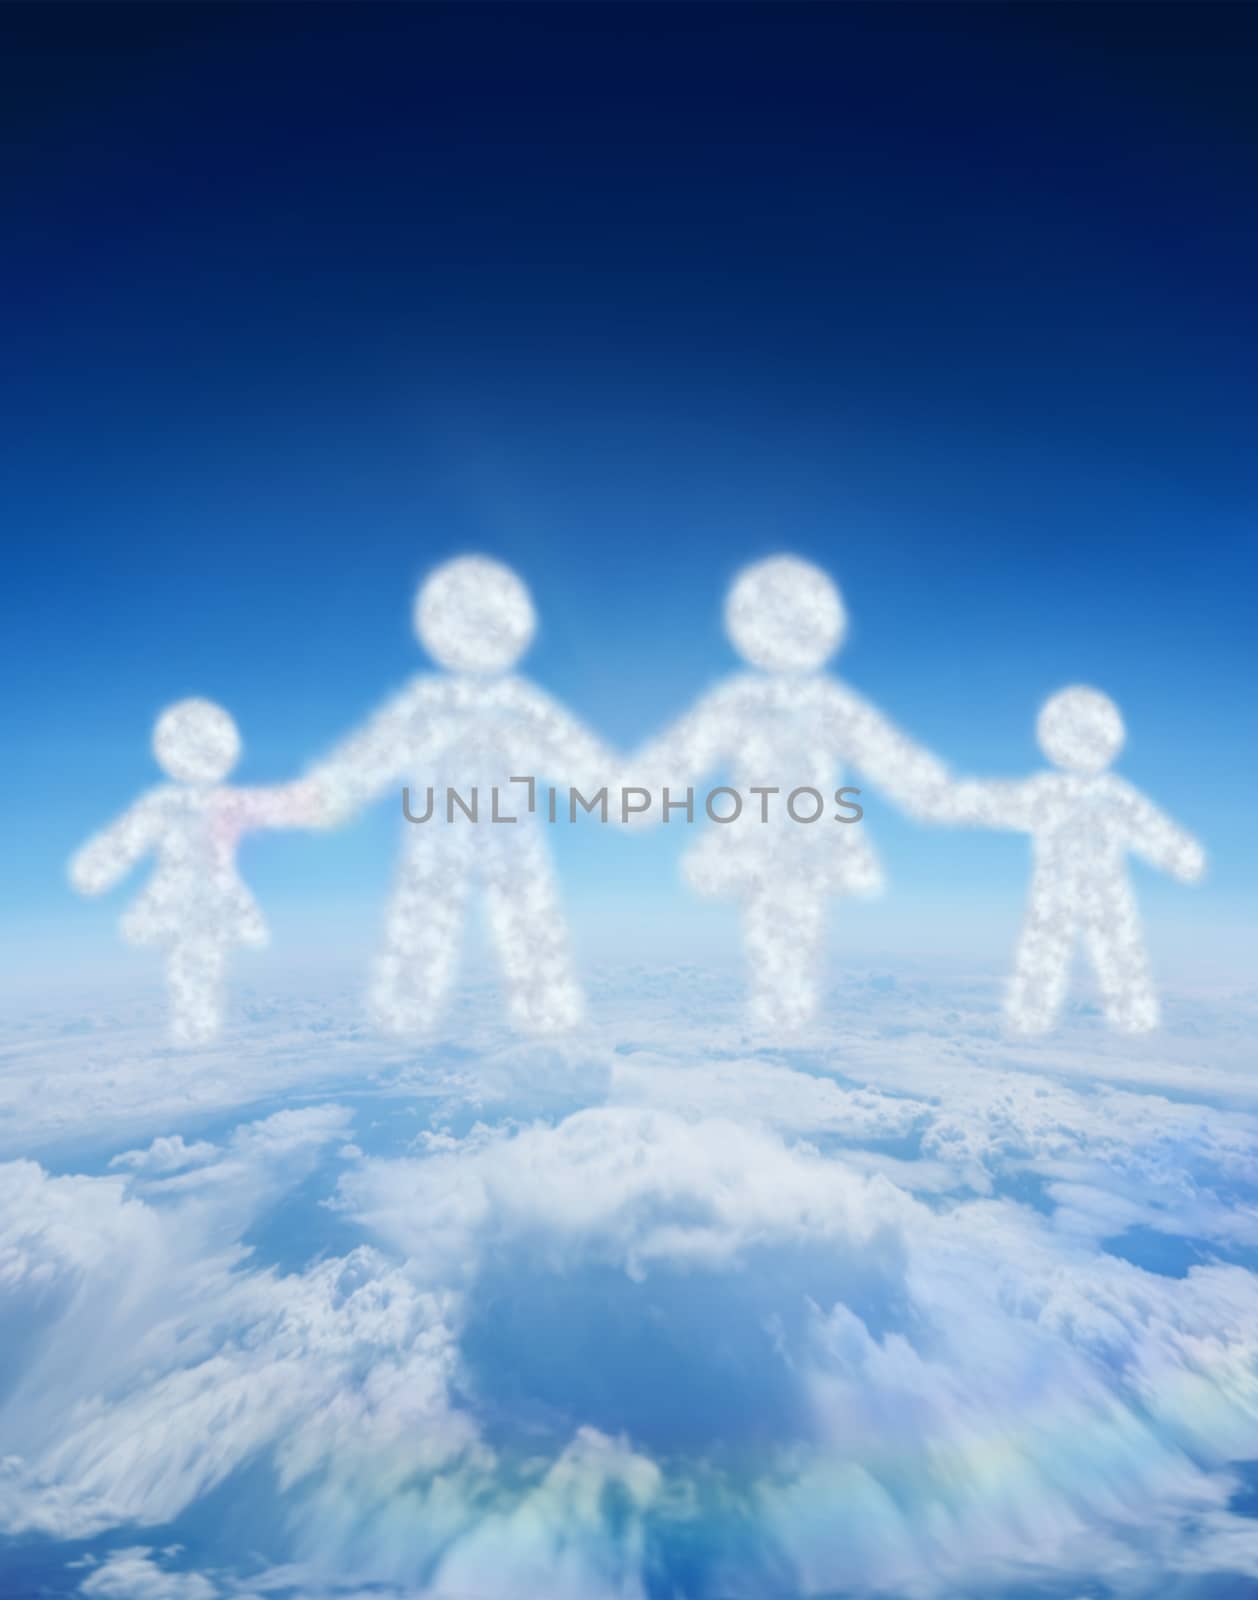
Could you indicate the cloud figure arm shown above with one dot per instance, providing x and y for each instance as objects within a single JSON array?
[
  {"x": 697, "y": 742},
  {"x": 987, "y": 803},
  {"x": 914, "y": 779},
  {"x": 552, "y": 743},
  {"x": 410, "y": 730},
  {"x": 108, "y": 856},
  {"x": 300, "y": 804},
  {"x": 1151, "y": 835}
]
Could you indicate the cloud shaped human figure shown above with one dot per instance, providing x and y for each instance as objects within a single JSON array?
[
  {"x": 474, "y": 727},
  {"x": 782, "y": 727},
  {"x": 1083, "y": 820},
  {"x": 195, "y": 904}
]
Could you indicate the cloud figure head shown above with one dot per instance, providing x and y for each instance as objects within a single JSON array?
[
  {"x": 474, "y": 615},
  {"x": 784, "y": 615},
  {"x": 1080, "y": 729},
  {"x": 196, "y": 741}
]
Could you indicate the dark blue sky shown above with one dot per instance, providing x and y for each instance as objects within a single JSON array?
[{"x": 957, "y": 300}]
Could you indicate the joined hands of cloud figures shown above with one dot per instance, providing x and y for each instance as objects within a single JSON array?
[{"x": 479, "y": 723}]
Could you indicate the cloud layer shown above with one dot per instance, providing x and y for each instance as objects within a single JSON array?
[{"x": 659, "y": 1313}]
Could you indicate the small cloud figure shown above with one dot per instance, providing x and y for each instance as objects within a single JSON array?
[
  {"x": 195, "y": 904},
  {"x": 1083, "y": 820},
  {"x": 781, "y": 731},
  {"x": 476, "y": 728}
]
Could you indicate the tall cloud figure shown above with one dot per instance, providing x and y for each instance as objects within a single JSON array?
[
  {"x": 1083, "y": 820},
  {"x": 781, "y": 731},
  {"x": 473, "y": 728},
  {"x": 195, "y": 904}
]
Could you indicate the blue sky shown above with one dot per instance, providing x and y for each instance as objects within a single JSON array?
[
  {"x": 962, "y": 310},
  {"x": 956, "y": 302}
]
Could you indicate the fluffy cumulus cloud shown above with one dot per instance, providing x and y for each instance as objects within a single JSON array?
[{"x": 906, "y": 1310}]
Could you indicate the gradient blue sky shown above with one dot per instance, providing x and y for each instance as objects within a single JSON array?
[{"x": 958, "y": 302}]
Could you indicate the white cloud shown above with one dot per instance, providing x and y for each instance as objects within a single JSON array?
[
  {"x": 624, "y": 1184},
  {"x": 166, "y": 1155},
  {"x": 134, "y": 1575},
  {"x": 159, "y": 1361}
]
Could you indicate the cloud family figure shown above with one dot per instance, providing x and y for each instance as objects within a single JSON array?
[
  {"x": 476, "y": 727},
  {"x": 788, "y": 721},
  {"x": 473, "y": 727},
  {"x": 195, "y": 904},
  {"x": 1083, "y": 820}
]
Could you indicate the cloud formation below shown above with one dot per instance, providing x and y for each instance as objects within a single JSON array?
[{"x": 667, "y": 1314}]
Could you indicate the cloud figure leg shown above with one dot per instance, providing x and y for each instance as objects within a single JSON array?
[
  {"x": 1042, "y": 965},
  {"x": 782, "y": 937},
  {"x": 194, "y": 977},
  {"x": 527, "y": 927},
  {"x": 1120, "y": 960},
  {"x": 423, "y": 935}
]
